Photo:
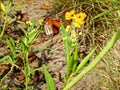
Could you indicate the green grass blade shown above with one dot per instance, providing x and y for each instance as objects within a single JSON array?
[
  {"x": 105, "y": 12},
  {"x": 27, "y": 71},
  {"x": 37, "y": 69},
  {"x": 7, "y": 58},
  {"x": 25, "y": 42},
  {"x": 85, "y": 60},
  {"x": 115, "y": 2},
  {"x": 65, "y": 41},
  {"x": 32, "y": 26},
  {"x": 16, "y": 7},
  {"x": 69, "y": 65},
  {"x": 33, "y": 35},
  {"x": 49, "y": 79},
  {"x": 27, "y": 75},
  {"x": 75, "y": 54},
  {"x": 2, "y": 7},
  {"x": 10, "y": 42},
  {"x": 67, "y": 47},
  {"x": 24, "y": 31},
  {"x": 94, "y": 62}
]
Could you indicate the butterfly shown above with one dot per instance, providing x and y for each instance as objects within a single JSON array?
[{"x": 51, "y": 26}]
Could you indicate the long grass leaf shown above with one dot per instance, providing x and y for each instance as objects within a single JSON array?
[
  {"x": 32, "y": 36},
  {"x": 66, "y": 42},
  {"x": 85, "y": 60},
  {"x": 2, "y": 7},
  {"x": 37, "y": 69},
  {"x": 32, "y": 26},
  {"x": 10, "y": 42},
  {"x": 7, "y": 58},
  {"x": 18, "y": 6},
  {"x": 49, "y": 79},
  {"x": 104, "y": 13},
  {"x": 115, "y": 2},
  {"x": 75, "y": 54},
  {"x": 69, "y": 65}
]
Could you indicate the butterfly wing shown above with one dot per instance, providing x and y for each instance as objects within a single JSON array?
[
  {"x": 51, "y": 26},
  {"x": 48, "y": 29}
]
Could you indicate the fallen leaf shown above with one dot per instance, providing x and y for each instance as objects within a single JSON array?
[{"x": 46, "y": 6}]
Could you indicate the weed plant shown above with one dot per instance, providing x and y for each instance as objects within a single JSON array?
[{"x": 21, "y": 48}]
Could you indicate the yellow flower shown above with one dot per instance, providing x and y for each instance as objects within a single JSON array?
[
  {"x": 78, "y": 23},
  {"x": 78, "y": 19},
  {"x": 29, "y": 22},
  {"x": 80, "y": 15},
  {"x": 67, "y": 28},
  {"x": 40, "y": 22},
  {"x": 69, "y": 15}
]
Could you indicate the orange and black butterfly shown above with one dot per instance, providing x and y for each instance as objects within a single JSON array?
[{"x": 51, "y": 26}]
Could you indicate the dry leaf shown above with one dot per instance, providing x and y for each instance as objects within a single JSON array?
[{"x": 46, "y": 6}]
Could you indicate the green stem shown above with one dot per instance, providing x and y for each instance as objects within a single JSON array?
[
  {"x": 4, "y": 26},
  {"x": 6, "y": 75},
  {"x": 27, "y": 63}
]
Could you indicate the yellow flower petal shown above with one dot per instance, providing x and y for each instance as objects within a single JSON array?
[
  {"x": 69, "y": 15},
  {"x": 29, "y": 22},
  {"x": 67, "y": 28},
  {"x": 40, "y": 22},
  {"x": 79, "y": 19}
]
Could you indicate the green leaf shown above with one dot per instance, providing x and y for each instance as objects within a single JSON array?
[
  {"x": 10, "y": 42},
  {"x": 24, "y": 31},
  {"x": 10, "y": 1},
  {"x": 7, "y": 58},
  {"x": 116, "y": 4},
  {"x": 32, "y": 26},
  {"x": 32, "y": 35},
  {"x": 2, "y": 8},
  {"x": 105, "y": 12},
  {"x": 37, "y": 69},
  {"x": 66, "y": 42},
  {"x": 27, "y": 74},
  {"x": 49, "y": 79},
  {"x": 69, "y": 65},
  {"x": 75, "y": 54},
  {"x": 25, "y": 42},
  {"x": 16, "y": 7},
  {"x": 85, "y": 60}
]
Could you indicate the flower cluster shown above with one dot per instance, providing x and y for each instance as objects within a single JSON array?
[
  {"x": 77, "y": 19},
  {"x": 28, "y": 22}
]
